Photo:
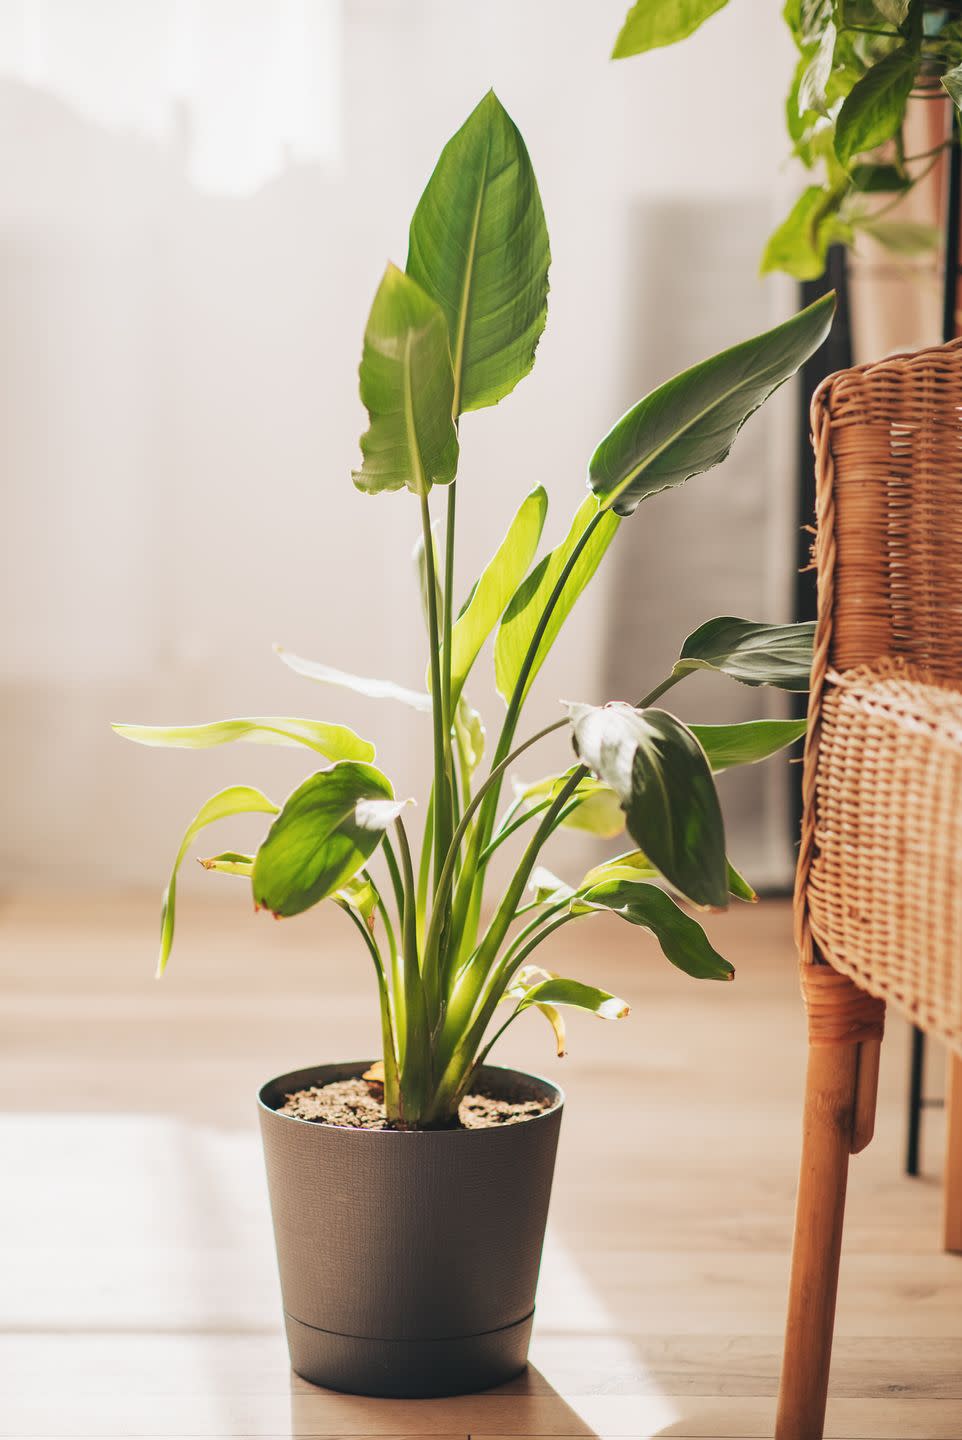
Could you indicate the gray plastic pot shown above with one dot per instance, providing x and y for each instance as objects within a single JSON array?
[{"x": 408, "y": 1259}]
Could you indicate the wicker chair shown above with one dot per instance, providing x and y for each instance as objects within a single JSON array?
[{"x": 878, "y": 901}]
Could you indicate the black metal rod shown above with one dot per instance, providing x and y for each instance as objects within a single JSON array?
[
  {"x": 916, "y": 1072},
  {"x": 949, "y": 306}
]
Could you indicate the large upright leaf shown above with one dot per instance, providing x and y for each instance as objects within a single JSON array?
[
  {"x": 235, "y": 800},
  {"x": 479, "y": 247},
  {"x": 498, "y": 582},
  {"x": 681, "y": 938},
  {"x": 336, "y": 742},
  {"x": 755, "y": 654},
  {"x": 689, "y": 424},
  {"x": 360, "y": 684},
  {"x": 651, "y": 23},
  {"x": 662, "y": 778},
  {"x": 407, "y": 387},
  {"x": 520, "y": 621},
  {"x": 872, "y": 111},
  {"x": 317, "y": 841}
]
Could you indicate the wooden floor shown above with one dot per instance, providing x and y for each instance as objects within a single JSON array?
[{"x": 138, "y": 1295}]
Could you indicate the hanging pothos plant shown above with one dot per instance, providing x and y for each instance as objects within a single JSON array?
[{"x": 859, "y": 62}]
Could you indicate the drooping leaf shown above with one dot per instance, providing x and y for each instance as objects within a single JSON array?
[
  {"x": 872, "y": 111},
  {"x": 373, "y": 689},
  {"x": 230, "y": 863},
  {"x": 316, "y": 843},
  {"x": 336, "y": 742},
  {"x": 598, "y": 810},
  {"x": 652, "y": 23},
  {"x": 746, "y": 742},
  {"x": 530, "y": 975},
  {"x": 755, "y": 654},
  {"x": 689, "y": 424},
  {"x": 235, "y": 800},
  {"x": 907, "y": 238},
  {"x": 496, "y": 585},
  {"x": 681, "y": 938},
  {"x": 571, "y": 992},
  {"x": 406, "y": 387},
  {"x": 479, "y": 247},
  {"x": 661, "y": 777},
  {"x": 520, "y": 621},
  {"x": 635, "y": 865}
]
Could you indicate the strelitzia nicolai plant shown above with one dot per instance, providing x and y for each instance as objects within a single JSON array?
[{"x": 455, "y": 331}]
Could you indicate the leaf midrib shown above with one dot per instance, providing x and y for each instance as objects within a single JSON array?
[{"x": 466, "y": 286}]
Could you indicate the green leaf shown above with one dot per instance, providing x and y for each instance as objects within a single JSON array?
[
  {"x": 546, "y": 886},
  {"x": 874, "y": 108},
  {"x": 755, "y": 654},
  {"x": 871, "y": 179},
  {"x": 813, "y": 83},
  {"x": 571, "y": 992},
  {"x": 747, "y": 742},
  {"x": 360, "y": 684},
  {"x": 660, "y": 774},
  {"x": 653, "y": 23},
  {"x": 407, "y": 388},
  {"x": 526, "y": 977},
  {"x": 316, "y": 843},
  {"x": 739, "y": 886},
  {"x": 520, "y": 621},
  {"x": 598, "y": 810},
  {"x": 479, "y": 248},
  {"x": 907, "y": 238},
  {"x": 362, "y": 896},
  {"x": 952, "y": 83},
  {"x": 689, "y": 424},
  {"x": 235, "y": 800},
  {"x": 498, "y": 582},
  {"x": 681, "y": 938},
  {"x": 635, "y": 865},
  {"x": 469, "y": 730},
  {"x": 800, "y": 244},
  {"x": 336, "y": 742},
  {"x": 230, "y": 863}
]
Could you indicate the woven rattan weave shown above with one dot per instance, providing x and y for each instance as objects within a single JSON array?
[{"x": 879, "y": 883}]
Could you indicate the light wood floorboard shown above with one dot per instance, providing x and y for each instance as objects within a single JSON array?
[{"x": 138, "y": 1295}]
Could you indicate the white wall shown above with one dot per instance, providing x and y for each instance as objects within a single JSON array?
[{"x": 178, "y": 351}]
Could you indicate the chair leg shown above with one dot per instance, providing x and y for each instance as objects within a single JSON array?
[
  {"x": 830, "y": 1099},
  {"x": 952, "y": 1191}
]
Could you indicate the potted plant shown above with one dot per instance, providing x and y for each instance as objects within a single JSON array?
[
  {"x": 859, "y": 64},
  {"x": 409, "y": 1199}
]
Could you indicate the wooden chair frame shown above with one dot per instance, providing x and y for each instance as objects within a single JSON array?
[{"x": 888, "y": 449}]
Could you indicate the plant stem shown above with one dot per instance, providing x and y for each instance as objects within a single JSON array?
[
  {"x": 388, "y": 1044},
  {"x": 443, "y": 886},
  {"x": 441, "y": 833},
  {"x": 416, "y": 1066},
  {"x": 448, "y": 606}
]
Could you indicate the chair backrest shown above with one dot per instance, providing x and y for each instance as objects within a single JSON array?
[
  {"x": 871, "y": 898},
  {"x": 888, "y": 445}
]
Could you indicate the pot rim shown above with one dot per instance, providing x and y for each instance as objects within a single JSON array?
[{"x": 553, "y": 1108}]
